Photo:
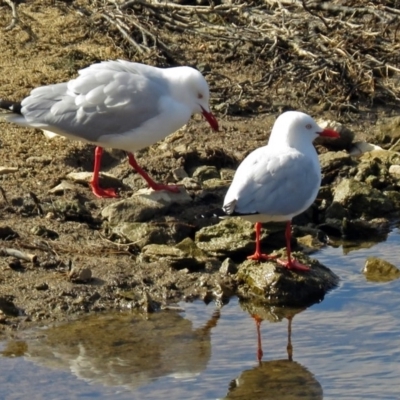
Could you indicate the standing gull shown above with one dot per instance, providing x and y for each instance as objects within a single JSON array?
[
  {"x": 117, "y": 104},
  {"x": 279, "y": 181}
]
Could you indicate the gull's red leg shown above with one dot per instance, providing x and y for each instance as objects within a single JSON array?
[
  {"x": 94, "y": 183},
  {"x": 154, "y": 185},
  {"x": 290, "y": 263},
  {"x": 257, "y": 256}
]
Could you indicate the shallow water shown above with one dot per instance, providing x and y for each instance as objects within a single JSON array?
[{"x": 347, "y": 347}]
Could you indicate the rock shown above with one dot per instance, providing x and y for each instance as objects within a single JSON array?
[
  {"x": 227, "y": 174},
  {"x": 379, "y": 270},
  {"x": 80, "y": 275},
  {"x": 275, "y": 379},
  {"x": 360, "y": 199},
  {"x": 345, "y": 140},
  {"x": 176, "y": 257},
  {"x": 394, "y": 196},
  {"x": 71, "y": 210},
  {"x": 389, "y": 132},
  {"x": 359, "y": 148},
  {"x": 205, "y": 172},
  {"x": 42, "y": 286},
  {"x": 228, "y": 267},
  {"x": 215, "y": 183},
  {"x": 62, "y": 187},
  {"x": 381, "y": 157},
  {"x": 336, "y": 211},
  {"x": 40, "y": 230},
  {"x": 144, "y": 206},
  {"x": 179, "y": 173},
  {"x": 309, "y": 244},
  {"x": 142, "y": 234},
  {"x": 333, "y": 163},
  {"x": 395, "y": 170},
  {"x": 333, "y": 160},
  {"x": 190, "y": 184},
  {"x": 362, "y": 229},
  {"x": 105, "y": 180},
  {"x": 272, "y": 284},
  {"x": 164, "y": 196},
  {"x": 234, "y": 237},
  {"x": 189, "y": 247},
  {"x": 228, "y": 236},
  {"x": 7, "y": 306}
]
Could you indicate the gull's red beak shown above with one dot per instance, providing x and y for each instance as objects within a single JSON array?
[
  {"x": 329, "y": 133},
  {"x": 210, "y": 119}
]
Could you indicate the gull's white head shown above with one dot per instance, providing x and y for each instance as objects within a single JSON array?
[
  {"x": 191, "y": 88},
  {"x": 296, "y": 129}
]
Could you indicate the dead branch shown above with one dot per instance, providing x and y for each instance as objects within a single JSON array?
[
  {"x": 330, "y": 53},
  {"x": 15, "y": 18},
  {"x": 19, "y": 254}
]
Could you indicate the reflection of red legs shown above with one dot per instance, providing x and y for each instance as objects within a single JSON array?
[
  {"x": 290, "y": 263},
  {"x": 259, "y": 344},
  {"x": 154, "y": 185},
  {"x": 289, "y": 346},
  {"x": 258, "y": 256},
  {"x": 94, "y": 183}
]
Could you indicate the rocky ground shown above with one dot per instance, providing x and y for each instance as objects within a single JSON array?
[{"x": 64, "y": 252}]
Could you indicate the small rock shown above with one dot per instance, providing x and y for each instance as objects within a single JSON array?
[
  {"x": 379, "y": 270},
  {"x": 362, "y": 229},
  {"x": 42, "y": 286},
  {"x": 309, "y": 244},
  {"x": 62, "y": 187},
  {"x": 179, "y": 173},
  {"x": 360, "y": 199},
  {"x": 205, "y": 172},
  {"x": 228, "y": 267},
  {"x": 165, "y": 197},
  {"x": 8, "y": 307},
  {"x": 333, "y": 160},
  {"x": 40, "y": 230},
  {"x": 215, "y": 183},
  {"x": 190, "y": 183},
  {"x": 176, "y": 257},
  {"x": 272, "y": 284},
  {"x": 105, "y": 180},
  {"x": 80, "y": 275},
  {"x": 336, "y": 211},
  {"x": 72, "y": 210},
  {"x": 144, "y": 205},
  {"x": 142, "y": 233},
  {"x": 394, "y": 170}
]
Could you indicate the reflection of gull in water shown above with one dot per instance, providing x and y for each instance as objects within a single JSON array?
[
  {"x": 129, "y": 350},
  {"x": 276, "y": 379}
]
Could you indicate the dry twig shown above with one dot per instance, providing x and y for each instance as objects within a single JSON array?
[{"x": 15, "y": 18}]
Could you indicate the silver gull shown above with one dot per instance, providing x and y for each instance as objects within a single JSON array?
[
  {"x": 279, "y": 181},
  {"x": 117, "y": 104}
]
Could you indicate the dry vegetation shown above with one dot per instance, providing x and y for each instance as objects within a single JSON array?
[{"x": 340, "y": 54}]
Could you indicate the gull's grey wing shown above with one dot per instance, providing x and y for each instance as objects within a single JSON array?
[
  {"x": 101, "y": 101},
  {"x": 273, "y": 184}
]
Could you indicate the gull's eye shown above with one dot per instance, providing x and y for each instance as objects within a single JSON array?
[
  {"x": 199, "y": 96},
  {"x": 308, "y": 126}
]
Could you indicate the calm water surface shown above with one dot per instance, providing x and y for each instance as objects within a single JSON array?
[{"x": 347, "y": 347}]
